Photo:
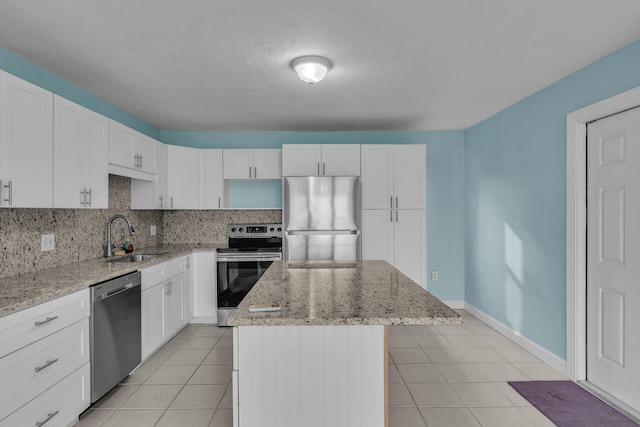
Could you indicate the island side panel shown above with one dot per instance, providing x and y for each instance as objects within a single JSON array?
[{"x": 291, "y": 376}]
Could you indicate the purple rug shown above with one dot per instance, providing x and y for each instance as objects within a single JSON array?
[{"x": 569, "y": 405}]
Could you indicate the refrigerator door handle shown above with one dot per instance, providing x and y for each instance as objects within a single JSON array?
[{"x": 319, "y": 232}]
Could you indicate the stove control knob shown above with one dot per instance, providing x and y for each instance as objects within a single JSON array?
[
  {"x": 241, "y": 229},
  {"x": 233, "y": 229},
  {"x": 272, "y": 229},
  {"x": 279, "y": 229}
]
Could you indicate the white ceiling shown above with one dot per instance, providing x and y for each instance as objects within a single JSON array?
[{"x": 397, "y": 65}]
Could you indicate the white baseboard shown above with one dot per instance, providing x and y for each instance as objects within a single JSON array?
[
  {"x": 533, "y": 348},
  {"x": 455, "y": 304},
  {"x": 204, "y": 319}
]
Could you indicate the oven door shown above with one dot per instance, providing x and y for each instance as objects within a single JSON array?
[{"x": 236, "y": 275}]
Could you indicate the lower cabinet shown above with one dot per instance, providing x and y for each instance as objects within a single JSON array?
[
  {"x": 205, "y": 290},
  {"x": 163, "y": 304}
]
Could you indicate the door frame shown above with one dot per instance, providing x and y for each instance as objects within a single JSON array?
[{"x": 577, "y": 224}]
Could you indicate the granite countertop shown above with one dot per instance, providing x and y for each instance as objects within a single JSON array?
[
  {"x": 341, "y": 293},
  {"x": 24, "y": 290}
]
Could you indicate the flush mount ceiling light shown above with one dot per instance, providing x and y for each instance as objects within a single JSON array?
[{"x": 311, "y": 69}]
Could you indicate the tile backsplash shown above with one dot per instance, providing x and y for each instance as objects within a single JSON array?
[{"x": 80, "y": 233}]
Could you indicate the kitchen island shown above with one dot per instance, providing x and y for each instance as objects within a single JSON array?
[{"x": 321, "y": 360}]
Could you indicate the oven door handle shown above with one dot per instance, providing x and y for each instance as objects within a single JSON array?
[{"x": 249, "y": 258}]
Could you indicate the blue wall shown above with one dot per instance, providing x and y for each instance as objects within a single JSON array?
[
  {"x": 515, "y": 204},
  {"x": 18, "y": 66},
  {"x": 445, "y": 185}
]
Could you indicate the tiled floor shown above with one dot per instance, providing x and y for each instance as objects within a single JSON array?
[{"x": 454, "y": 376}]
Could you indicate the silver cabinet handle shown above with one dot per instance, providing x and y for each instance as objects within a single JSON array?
[
  {"x": 323, "y": 172},
  {"x": 390, "y": 216},
  {"x": 186, "y": 262},
  {"x": 249, "y": 172},
  {"x": 1, "y": 193},
  {"x": 140, "y": 161},
  {"x": 83, "y": 197},
  {"x": 318, "y": 168},
  {"x": 160, "y": 199},
  {"x": 218, "y": 202},
  {"x": 171, "y": 202},
  {"x": 45, "y": 321},
  {"x": 396, "y": 202},
  {"x": 49, "y": 416},
  {"x": 255, "y": 172},
  {"x": 10, "y": 188},
  {"x": 46, "y": 365},
  {"x": 396, "y": 216},
  {"x": 391, "y": 202},
  {"x": 89, "y": 193}
]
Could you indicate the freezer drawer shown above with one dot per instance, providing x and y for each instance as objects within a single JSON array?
[{"x": 336, "y": 247}]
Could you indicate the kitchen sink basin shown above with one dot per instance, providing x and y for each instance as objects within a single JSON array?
[{"x": 134, "y": 258}]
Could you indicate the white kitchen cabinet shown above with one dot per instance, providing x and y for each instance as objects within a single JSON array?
[
  {"x": 205, "y": 305},
  {"x": 394, "y": 176},
  {"x": 252, "y": 164},
  {"x": 188, "y": 288},
  {"x": 321, "y": 160},
  {"x": 212, "y": 179},
  {"x": 163, "y": 303},
  {"x": 152, "y": 194},
  {"x": 80, "y": 156},
  {"x": 131, "y": 153},
  {"x": 183, "y": 177},
  {"x": 398, "y": 237},
  {"x": 26, "y": 144}
]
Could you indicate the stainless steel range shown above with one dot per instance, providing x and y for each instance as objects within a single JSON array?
[{"x": 251, "y": 250}]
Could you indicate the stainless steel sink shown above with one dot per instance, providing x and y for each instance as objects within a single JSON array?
[{"x": 134, "y": 258}]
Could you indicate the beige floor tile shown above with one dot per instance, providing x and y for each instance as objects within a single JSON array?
[
  {"x": 482, "y": 355},
  {"x": 449, "y": 417},
  {"x": 463, "y": 341},
  {"x": 188, "y": 330},
  {"x": 501, "y": 417},
  {"x": 536, "y": 417},
  {"x": 422, "y": 330},
  {"x": 433, "y": 341},
  {"x": 186, "y": 418},
  {"x": 186, "y": 357},
  {"x": 170, "y": 374},
  {"x": 398, "y": 330},
  {"x": 445, "y": 355},
  {"x": 175, "y": 342},
  {"x": 227, "y": 398},
  {"x": 115, "y": 397},
  {"x": 156, "y": 396},
  {"x": 453, "y": 330},
  {"x": 212, "y": 374},
  {"x": 408, "y": 355},
  {"x": 516, "y": 354},
  {"x": 94, "y": 417},
  {"x": 399, "y": 396},
  {"x": 222, "y": 418},
  {"x": 437, "y": 395},
  {"x": 393, "y": 374},
  {"x": 405, "y": 417},
  {"x": 209, "y": 331},
  {"x": 501, "y": 372},
  {"x": 198, "y": 343},
  {"x": 133, "y": 417},
  {"x": 511, "y": 394},
  {"x": 159, "y": 357},
  {"x": 402, "y": 341},
  {"x": 215, "y": 357},
  {"x": 199, "y": 397},
  {"x": 224, "y": 343},
  {"x": 420, "y": 373},
  {"x": 498, "y": 341},
  {"x": 481, "y": 395},
  {"x": 540, "y": 372},
  {"x": 140, "y": 374},
  {"x": 481, "y": 329},
  {"x": 460, "y": 372}
]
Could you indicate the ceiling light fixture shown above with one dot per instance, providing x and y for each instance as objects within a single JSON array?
[{"x": 311, "y": 69}]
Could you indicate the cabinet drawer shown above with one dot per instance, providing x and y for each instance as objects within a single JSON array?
[
  {"x": 33, "y": 369},
  {"x": 58, "y": 406},
  {"x": 153, "y": 275},
  {"x": 24, "y": 327}
]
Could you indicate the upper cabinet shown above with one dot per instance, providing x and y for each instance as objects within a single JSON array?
[
  {"x": 183, "y": 177},
  {"x": 252, "y": 164},
  {"x": 80, "y": 151},
  {"x": 152, "y": 194},
  {"x": 212, "y": 184},
  {"x": 321, "y": 160},
  {"x": 131, "y": 153},
  {"x": 26, "y": 144},
  {"x": 394, "y": 176}
]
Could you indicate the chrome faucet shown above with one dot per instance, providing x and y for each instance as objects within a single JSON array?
[{"x": 109, "y": 251}]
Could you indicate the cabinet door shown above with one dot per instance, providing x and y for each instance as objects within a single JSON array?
[
  {"x": 212, "y": 183},
  {"x": 145, "y": 148},
  {"x": 153, "y": 318},
  {"x": 237, "y": 164},
  {"x": 26, "y": 144},
  {"x": 377, "y": 235},
  {"x": 94, "y": 131},
  {"x": 267, "y": 164},
  {"x": 340, "y": 160},
  {"x": 188, "y": 288},
  {"x": 183, "y": 177},
  {"x": 205, "y": 290},
  {"x": 176, "y": 318},
  {"x": 152, "y": 194},
  {"x": 121, "y": 145},
  {"x": 67, "y": 179},
  {"x": 410, "y": 244},
  {"x": 377, "y": 176},
  {"x": 301, "y": 159},
  {"x": 410, "y": 176}
]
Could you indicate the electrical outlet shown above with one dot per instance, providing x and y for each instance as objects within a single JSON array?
[
  {"x": 435, "y": 275},
  {"x": 47, "y": 242},
  {"x": 153, "y": 230}
]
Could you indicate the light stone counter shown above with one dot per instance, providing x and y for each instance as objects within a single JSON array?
[
  {"x": 25, "y": 290},
  {"x": 341, "y": 293}
]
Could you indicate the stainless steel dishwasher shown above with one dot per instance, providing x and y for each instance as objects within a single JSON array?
[{"x": 115, "y": 338}]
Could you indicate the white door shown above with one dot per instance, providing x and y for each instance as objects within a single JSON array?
[
  {"x": 267, "y": 163},
  {"x": 377, "y": 235},
  {"x": 613, "y": 256},
  {"x": 183, "y": 177},
  {"x": 237, "y": 164},
  {"x": 301, "y": 159},
  {"x": 340, "y": 160},
  {"x": 377, "y": 176},
  {"x": 410, "y": 244},
  {"x": 410, "y": 176},
  {"x": 212, "y": 184}
]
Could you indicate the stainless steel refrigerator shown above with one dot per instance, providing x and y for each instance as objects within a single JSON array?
[{"x": 321, "y": 218}]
